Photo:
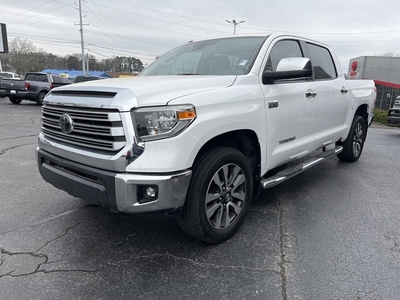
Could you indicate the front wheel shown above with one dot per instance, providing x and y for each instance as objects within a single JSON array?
[
  {"x": 219, "y": 195},
  {"x": 354, "y": 143}
]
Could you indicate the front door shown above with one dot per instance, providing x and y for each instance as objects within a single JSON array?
[{"x": 291, "y": 110}]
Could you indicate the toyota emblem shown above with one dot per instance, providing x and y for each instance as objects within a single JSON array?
[{"x": 66, "y": 123}]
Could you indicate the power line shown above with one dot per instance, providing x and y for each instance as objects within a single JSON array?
[
  {"x": 171, "y": 14},
  {"x": 157, "y": 19},
  {"x": 12, "y": 16},
  {"x": 127, "y": 38},
  {"x": 43, "y": 19}
]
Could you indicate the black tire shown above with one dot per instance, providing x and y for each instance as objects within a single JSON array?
[
  {"x": 15, "y": 100},
  {"x": 40, "y": 98},
  {"x": 219, "y": 195},
  {"x": 354, "y": 143}
]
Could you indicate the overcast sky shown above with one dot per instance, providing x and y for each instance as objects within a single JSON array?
[{"x": 145, "y": 29}]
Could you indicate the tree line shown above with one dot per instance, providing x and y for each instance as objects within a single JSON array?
[{"x": 24, "y": 57}]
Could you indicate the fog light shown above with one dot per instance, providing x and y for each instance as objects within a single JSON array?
[{"x": 151, "y": 192}]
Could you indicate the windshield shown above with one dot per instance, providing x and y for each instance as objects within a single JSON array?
[{"x": 227, "y": 56}]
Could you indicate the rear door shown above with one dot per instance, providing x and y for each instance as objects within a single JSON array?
[
  {"x": 333, "y": 96},
  {"x": 291, "y": 108},
  {"x": 36, "y": 83}
]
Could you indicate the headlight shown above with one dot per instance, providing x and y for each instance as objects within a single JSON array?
[{"x": 153, "y": 123}]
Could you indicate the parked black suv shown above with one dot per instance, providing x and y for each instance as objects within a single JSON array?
[{"x": 87, "y": 78}]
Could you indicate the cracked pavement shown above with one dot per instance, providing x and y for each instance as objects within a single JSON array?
[{"x": 330, "y": 233}]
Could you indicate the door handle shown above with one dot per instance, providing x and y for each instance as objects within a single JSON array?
[{"x": 311, "y": 93}]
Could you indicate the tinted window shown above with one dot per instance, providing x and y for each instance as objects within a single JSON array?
[
  {"x": 56, "y": 79},
  {"x": 322, "y": 62},
  {"x": 283, "y": 49},
  {"x": 40, "y": 77},
  {"x": 30, "y": 77},
  {"x": 65, "y": 80}
]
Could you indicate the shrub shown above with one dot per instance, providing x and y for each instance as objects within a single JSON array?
[{"x": 380, "y": 116}]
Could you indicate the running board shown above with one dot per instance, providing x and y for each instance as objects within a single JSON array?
[{"x": 291, "y": 171}]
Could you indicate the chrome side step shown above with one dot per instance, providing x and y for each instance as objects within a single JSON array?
[{"x": 293, "y": 170}]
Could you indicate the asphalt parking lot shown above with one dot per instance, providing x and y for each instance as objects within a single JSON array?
[{"x": 330, "y": 233}]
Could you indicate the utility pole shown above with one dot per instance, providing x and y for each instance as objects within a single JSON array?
[
  {"x": 114, "y": 66},
  {"x": 87, "y": 63},
  {"x": 82, "y": 43},
  {"x": 234, "y": 24}
]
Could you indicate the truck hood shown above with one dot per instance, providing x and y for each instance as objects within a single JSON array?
[{"x": 138, "y": 91}]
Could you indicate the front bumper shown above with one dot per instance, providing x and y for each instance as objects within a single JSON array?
[
  {"x": 393, "y": 121},
  {"x": 393, "y": 117},
  {"x": 121, "y": 192}
]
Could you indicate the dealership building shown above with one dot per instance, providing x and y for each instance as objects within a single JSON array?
[{"x": 385, "y": 71}]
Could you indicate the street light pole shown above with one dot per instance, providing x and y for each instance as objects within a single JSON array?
[{"x": 234, "y": 24}]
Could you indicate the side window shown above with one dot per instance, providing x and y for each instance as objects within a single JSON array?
[
  {"x": 29, "y": 76},
  {"x": 41, "y": 77},
  {"x": 64, "y": 80},
  {"x": 283, "y": 49},
  {"x": 322, "y": 62},
  {"x": 56, "y": 79}
]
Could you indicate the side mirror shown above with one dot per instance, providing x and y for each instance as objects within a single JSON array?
[{"x": 289, "y": 68}]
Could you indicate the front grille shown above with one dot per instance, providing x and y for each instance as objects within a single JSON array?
[{"x": 93, "y": 128}]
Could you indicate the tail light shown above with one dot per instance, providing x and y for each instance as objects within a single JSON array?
[
  {"x": 27, "y": 86},
  {"x": 51, "y": 86}
]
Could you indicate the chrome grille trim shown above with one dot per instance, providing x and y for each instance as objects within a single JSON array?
[{"x": 94, "y": 128}]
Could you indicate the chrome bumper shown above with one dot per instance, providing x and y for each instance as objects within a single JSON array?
[{"x": 119, "y": 192}]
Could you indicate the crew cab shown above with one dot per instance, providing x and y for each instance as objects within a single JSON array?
[
  {"x": 206, "y": 126},
  {"x": 33, "y": 87}
]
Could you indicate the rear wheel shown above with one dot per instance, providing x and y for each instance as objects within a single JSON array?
[
  {"x": 15, "y": 100},
  {"x": 219, "y": 195},
  {"x": 40, "y": 98},
  {"x": 354, "y": 143}
]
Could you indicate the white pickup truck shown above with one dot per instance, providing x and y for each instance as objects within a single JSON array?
[{"x": 203, "y": 128}]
